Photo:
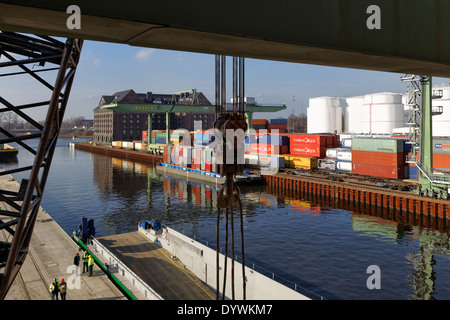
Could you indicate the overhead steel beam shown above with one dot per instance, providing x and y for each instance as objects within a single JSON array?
[
  {"x": 18, "y": 219},
  {"x": 402, "y": 36}
]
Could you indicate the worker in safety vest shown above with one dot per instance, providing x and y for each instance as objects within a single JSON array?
[
  {"x": 91, "y": 265},
  {"x": 54, "y": 289},
  {"x": 85, "y": 261}
]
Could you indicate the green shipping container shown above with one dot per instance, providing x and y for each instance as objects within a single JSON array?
[
  {"x": 173, "y": 135},
  {"x": 378, "y": 145}
]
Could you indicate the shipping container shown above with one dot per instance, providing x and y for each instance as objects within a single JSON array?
[
  {"x": 379, "y": 158},
  {"x": 277, "y": 121},
  {"x": 441, "y": 146},
  {"x": 413, "y": 172},
  {"x": 326, "y": 164},
  {"x": 297, "y": 162},
  {"x": 160, "y": 140},
  {"x": 346, "y": 143},
  {"x": 344, "y": 155},
  {"x": 331, "y": 153},
  {"x": 378, "y": 145},
  {"x": 268, "y": 148},
  {"x": 273, "y": 139},
  {"x": 302, "y": 139},
  {"x": 441, "y": 160},
  {"x": 309, "y": 151},
  {"x": 344, "y": 166},
  {"x": 376, "y": 170},
  {"x": 259, "y": 126},
  {"x": 272, "y": 161},
  {"x": 259, "y": 122}
]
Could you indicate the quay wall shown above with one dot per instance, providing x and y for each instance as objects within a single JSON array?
[{"x": 395, "y": 200}]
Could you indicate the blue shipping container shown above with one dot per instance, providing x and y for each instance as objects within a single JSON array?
[
  {"x": 276, "y": 140},
  {"x": 412, "y": 172},
  {"x": 277, "y": 121}
]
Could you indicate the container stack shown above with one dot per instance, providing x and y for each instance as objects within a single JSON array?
[
  {"x": 259, "y": 124},
  {"x": 277, "y": 124},
  {"x": 380, "y": 157},
  {"x": 338, "y": 159},
  {"x": 203, "y": 139}
]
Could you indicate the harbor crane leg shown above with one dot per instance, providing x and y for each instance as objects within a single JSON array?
[{"x": 45, "y": 55}]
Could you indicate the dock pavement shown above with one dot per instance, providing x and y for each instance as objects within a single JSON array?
[{"x": 51, "y": 256}]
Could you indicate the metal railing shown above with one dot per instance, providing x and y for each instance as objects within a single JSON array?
[
  {"x": 432, "y": 177},
  {"x": 270, "y": 274}
]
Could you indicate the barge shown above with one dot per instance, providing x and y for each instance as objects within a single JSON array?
[
  {"x": 7, "y": 152},
  {"x": 247, "y": 179}
]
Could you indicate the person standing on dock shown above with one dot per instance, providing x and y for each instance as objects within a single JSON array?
[
  {"x": 63, "y": 289},
  {"x": 76, "y": 262},
  {"x": 91, "y": 265},
  {"x": 54, "y": 289},
  {"x": 85, "y": 261}
]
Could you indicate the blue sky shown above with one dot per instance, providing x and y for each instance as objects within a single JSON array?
[{"x": 106, "y": 68}]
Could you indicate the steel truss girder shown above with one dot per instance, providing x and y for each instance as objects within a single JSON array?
[{"x": 20, "y": 208}]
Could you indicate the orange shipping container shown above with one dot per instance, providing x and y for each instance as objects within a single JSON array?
[{"x": 378, "y": 158}]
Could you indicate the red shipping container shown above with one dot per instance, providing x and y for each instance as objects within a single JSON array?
[
  {"x": 308, "y": 151},
  {"x": 394, "y": 172},
  {"x": 330, "y": 141},
  {"x": 304, "y": 139},
  {"x": 379, "y": 158},
  {"x": 337, "y": 141},
  {"x": 268, "y": 148}
]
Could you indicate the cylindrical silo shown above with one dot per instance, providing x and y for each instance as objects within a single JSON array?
[
  {"x": 352, "y": 121},
  {"x": 322, "y": 114},
  {"x": 441, "y": 122},
  {"x": 382, "y": 112}
]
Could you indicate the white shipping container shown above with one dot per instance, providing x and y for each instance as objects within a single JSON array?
[
  {"x": 344, "y": 155},
  {"x": 344, "y": 166},
  {"x": 346, "y": 143}
]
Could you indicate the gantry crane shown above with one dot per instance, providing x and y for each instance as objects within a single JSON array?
[{"x": 419, "y": 99}]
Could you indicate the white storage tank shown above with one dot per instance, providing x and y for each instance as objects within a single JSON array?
[
  {"x": 352, "y": 111},
  {"x": 322, "y": 114},
  {"x": 382, "y": 112},
  {"x": 441, "y": 122}
]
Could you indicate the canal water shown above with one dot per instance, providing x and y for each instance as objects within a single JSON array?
[{"x": 305, "y": 242}]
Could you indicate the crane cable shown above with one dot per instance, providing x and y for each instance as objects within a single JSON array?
[{"x": 229, "y": 194}]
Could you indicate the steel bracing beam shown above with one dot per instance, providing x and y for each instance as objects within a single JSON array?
[{"x": 31, "y": 56}]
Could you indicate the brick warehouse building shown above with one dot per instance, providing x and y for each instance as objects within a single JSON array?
[{"x": 112, "y": 125}]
